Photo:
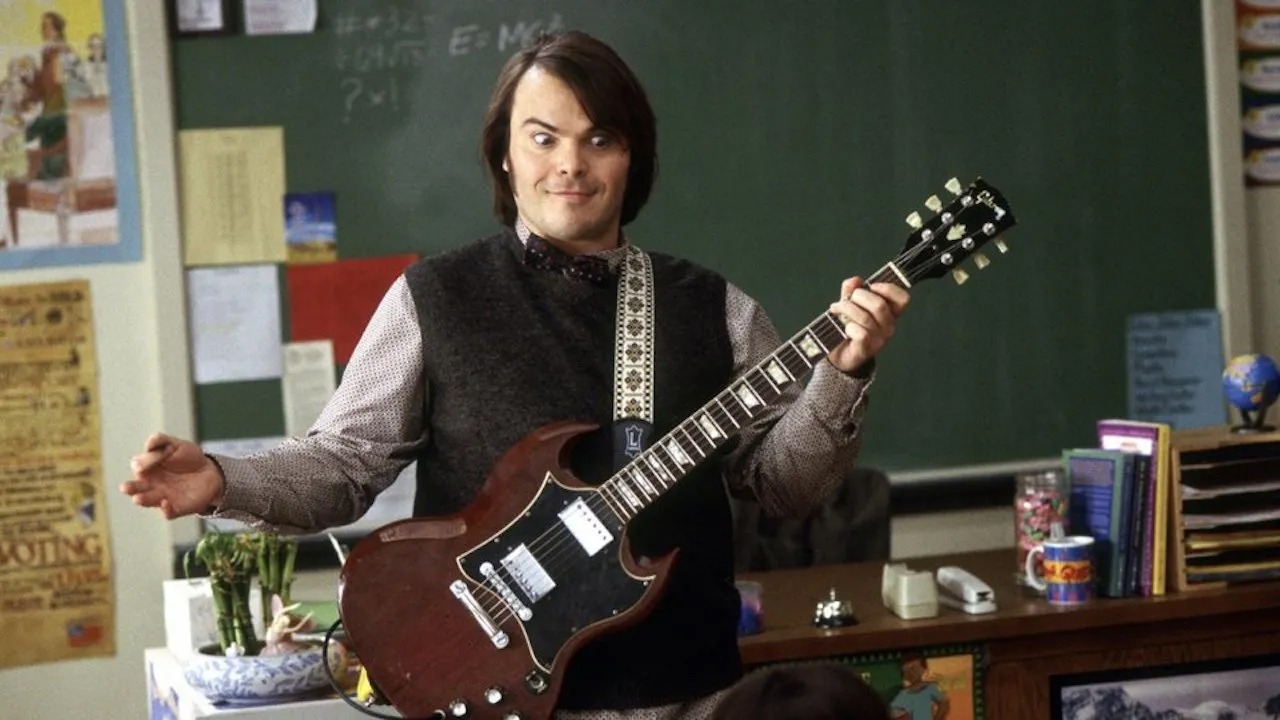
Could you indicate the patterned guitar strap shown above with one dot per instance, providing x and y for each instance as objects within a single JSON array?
[{"x": 633, "y": 359}]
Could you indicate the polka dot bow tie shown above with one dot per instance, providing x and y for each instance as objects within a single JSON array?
[{"x": 543, "y": 255}]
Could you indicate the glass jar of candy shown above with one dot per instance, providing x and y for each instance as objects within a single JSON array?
[{"x": 1039, "y": 506}]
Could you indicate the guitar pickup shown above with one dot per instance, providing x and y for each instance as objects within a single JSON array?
[
  {"x": 528, "y": 573},
  {"x": 586, "y": 527}
]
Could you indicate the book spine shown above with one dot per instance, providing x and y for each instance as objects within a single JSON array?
[
  {"x": 1121, "y": 511},
  {"x": 1159, "y": 560},
  {"x": 1138, "y": 555}
]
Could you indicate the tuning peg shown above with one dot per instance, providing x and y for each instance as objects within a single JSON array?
[
  {"x": 955, "y": 233},
  {"x": 933, "y": 203},
  {"x": 914, "y": 220},
  {"x": 959, "y": 276},
  {"x": 1000, "y": 244},
  {"x": 982, "y": 261},
  {"x": 953, "y": 186}
]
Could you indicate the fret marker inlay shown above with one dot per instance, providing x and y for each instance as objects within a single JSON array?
[
  {"x": 810, "y": 348},
  {"x": 747, "y": 396},
  {"x": 709, "y": 427},
  {"x": 778, "y": 374}
]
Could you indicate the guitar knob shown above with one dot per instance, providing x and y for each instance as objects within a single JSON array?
[
  {"x": 513, "y": 715},
  {"x": 458, "y": 708},
  {"x": 495, "y": 695}
]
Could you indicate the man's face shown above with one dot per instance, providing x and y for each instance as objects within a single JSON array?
[
  {"x": 567, "y": 175},
  {"x": 47, "y": 30}
]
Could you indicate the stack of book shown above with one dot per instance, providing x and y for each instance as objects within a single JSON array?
[{"x": 1119, "y": 495}]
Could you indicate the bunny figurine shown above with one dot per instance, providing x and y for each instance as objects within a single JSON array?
[{"x": 284, "y": 623}]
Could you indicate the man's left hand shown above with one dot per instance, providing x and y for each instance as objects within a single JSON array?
[{"x": 870, "y": 314}]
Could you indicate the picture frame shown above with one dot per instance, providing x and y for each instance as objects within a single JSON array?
[
  {"x": 920, "y": 683},
  {"x": 1231, "y": 687},
  {"x": 193, "y": 18}
]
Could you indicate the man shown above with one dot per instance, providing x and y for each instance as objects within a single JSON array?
[{"x": 472, "y": 349}]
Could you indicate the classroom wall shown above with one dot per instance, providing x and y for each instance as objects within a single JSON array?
[{"x": 145, "y": 383}]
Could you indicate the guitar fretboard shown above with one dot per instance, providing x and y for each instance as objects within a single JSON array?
[{"x": 675, "y": 454}]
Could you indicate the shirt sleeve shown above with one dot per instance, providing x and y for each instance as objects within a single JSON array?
[
  {"x": 370, "y": 430},
  {"x": 793, "y": 456}
]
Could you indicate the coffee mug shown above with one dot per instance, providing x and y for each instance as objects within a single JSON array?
[{"x": 1068, "y": 569}]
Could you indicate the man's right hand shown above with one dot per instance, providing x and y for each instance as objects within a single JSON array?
[{"x": 174, "y": 475}]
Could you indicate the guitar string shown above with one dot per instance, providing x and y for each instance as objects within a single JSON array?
[{"x": 552, "y": 554}]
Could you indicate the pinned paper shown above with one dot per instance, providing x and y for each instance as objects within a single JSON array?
[
  {"x": 235, "y": 323},
  {"x": 1175, "y": 369},
  {"x": 279, "y": 17},
  {"x": 309, "y": 382},
  {"x": 335, "y": 301},
  {"x": 310, "y": 230},
  {"x": 232, "y": 185}
]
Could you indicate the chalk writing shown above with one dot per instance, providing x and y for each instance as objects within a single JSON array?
[
  {"x": 392, "y": 21},
  {"x": 507, "y": 37},
  {"x": 368, "y": 93}
]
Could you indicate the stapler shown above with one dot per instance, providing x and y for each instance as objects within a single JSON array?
[{"x": 964, "y": 591}]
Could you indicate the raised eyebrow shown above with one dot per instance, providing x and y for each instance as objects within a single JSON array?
[
  {"x": 542, "y": 123},
  {"x": 591, "y": 131}
]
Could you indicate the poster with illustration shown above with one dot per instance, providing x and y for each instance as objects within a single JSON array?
[
  {"x": 942, "y": 683},
  {"x": 68, "y": 191}
]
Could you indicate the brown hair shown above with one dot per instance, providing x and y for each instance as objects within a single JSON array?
[
  {"x": 804, "y": 692},
  {"x": 59, "y": 23},
  {"x": 610, "y": 94}
]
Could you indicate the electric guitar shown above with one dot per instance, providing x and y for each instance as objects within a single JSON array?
[{"x": 477, "y": 614}]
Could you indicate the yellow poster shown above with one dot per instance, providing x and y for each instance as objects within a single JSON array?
[
  {"x": 56, "y": 596},
  {"x": 57, "y": 145}
]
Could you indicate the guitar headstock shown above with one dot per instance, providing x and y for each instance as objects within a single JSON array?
[{"x": 957, "y": 231}]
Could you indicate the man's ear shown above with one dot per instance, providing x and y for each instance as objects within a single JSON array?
[{"x": 505, "y": 167}]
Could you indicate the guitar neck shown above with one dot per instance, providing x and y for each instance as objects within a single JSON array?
[{"x": 674, "y": 455}]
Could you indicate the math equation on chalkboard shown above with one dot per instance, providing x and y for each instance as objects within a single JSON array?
[{"x": 377, "y": 50}]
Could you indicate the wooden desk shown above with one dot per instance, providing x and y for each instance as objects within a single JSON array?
[{"x": 1027, "y": 640}]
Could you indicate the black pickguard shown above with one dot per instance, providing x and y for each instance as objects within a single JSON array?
[{"x": 588, "y": 588}]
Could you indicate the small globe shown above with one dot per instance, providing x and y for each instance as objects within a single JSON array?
[{"x": 1251, "y": 382}]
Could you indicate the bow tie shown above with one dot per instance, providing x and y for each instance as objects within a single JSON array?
[{"x": 539, "y": 253}]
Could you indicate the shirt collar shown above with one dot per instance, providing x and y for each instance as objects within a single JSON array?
[{"x": 614, "y": 256}]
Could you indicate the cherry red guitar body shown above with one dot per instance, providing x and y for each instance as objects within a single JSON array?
[{"x": 438, "y": 634}]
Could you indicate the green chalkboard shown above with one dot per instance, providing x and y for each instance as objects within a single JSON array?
[{"x": 794, "y": 136}]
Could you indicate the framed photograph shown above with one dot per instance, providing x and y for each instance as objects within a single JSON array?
[
  {"x": 1237, "y": 688},
  {"x": 201, "y": 17}
]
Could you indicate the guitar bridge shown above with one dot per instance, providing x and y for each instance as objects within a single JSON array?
[
  {"x": 504, "y": 591},
  {"x": 496, "y": 634}
]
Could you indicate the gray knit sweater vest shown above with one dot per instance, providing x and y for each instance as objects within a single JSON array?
[{"x": 509, "y": 348}]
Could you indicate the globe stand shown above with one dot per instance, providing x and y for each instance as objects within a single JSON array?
[{"x": 1253, "y": 421}]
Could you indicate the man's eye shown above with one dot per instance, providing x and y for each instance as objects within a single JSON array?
[
  {"x": 543, "y": 139},
  {"x": 601, "y": 141}
]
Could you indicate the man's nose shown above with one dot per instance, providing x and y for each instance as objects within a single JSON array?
[{"x": 572, "y": 160}]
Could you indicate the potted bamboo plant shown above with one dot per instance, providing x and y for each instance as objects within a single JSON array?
[{"x": 242, "y": 667}]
